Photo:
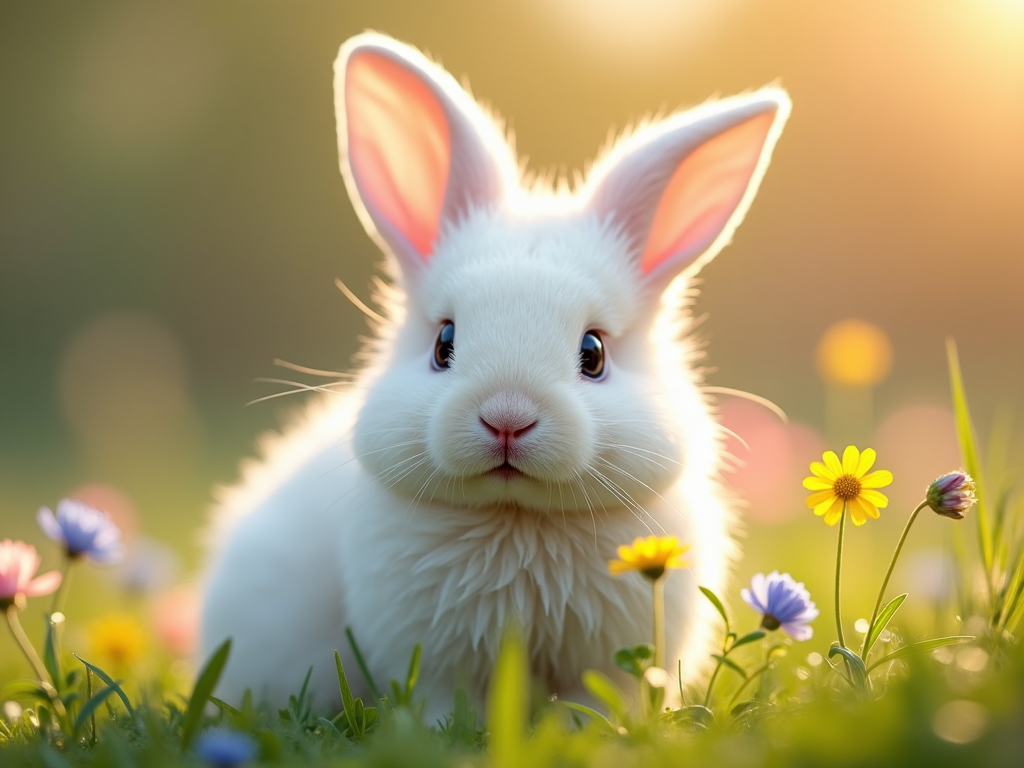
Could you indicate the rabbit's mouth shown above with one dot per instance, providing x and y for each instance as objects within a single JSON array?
[{"x": 506, "y": 471}]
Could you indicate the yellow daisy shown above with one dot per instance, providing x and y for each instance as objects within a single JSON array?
[
  {"x": 651, "y": 557},
  {"x": 849, "y": 482}
]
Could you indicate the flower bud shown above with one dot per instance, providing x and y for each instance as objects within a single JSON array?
[{"x": 952, "y": 494}]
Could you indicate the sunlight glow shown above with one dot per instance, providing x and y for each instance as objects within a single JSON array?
[{"x": 638, "y": 29}]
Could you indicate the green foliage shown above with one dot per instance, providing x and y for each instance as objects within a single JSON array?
[
  {"x": 202, "y": 691},
  {"x": 882, "y": 621}
]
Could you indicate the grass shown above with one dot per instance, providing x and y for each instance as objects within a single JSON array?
[{"x": 896, "y": 696}]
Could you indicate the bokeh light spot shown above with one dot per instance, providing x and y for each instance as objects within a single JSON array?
[
  {"x": 770, "y": 468},
  {"x": 918, "y": 443},
  {"x": 960, "y": 721},
  {"x": 854, "y": 353}
]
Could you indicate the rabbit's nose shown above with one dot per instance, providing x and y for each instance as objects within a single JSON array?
[
  {"x": 509, "y": 429},
  {"x": 508, "y": 417}
]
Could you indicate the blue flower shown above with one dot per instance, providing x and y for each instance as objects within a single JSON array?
[
  {"x": 84, "y": 531},
  {"x": 225, "y": 748},
  {"x": 783, "y": 603}
]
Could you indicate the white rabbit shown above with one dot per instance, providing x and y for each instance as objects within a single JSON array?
[{"x": 529, "y": 404}]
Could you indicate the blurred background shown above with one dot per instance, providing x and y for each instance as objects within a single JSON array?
[{"x": 172, "y": 219}]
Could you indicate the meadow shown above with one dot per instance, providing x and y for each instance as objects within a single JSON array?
[{"x": 885, "y": 692}]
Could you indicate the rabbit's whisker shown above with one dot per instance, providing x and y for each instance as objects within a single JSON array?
[{"x": 635, "y": 479}]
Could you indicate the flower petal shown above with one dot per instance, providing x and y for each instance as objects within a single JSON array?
[
  {"x": 820, "y": 497},
  {"x": 834, "y": 512},
  {"x": 818, "y": 483},
  {"x": 48, "y": 522},
  {"x": 819, "y": 469},
  {"x": 874, "y": 497},
  {"x": 867, "y": 460},
  {"x": 798, "y": 631},
  {"x": 869, "y": 509},
  {"x": 857, "y": 512},
  {"x": 832, "y": 462},
  {"x": 851, "y": 458},
  {"x": 877, "y": 479},
  {"x": 625, "y": 553},
  {"x": 43, "y": 585}
]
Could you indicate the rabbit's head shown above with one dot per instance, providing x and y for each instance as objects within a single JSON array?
[{"x": 537, "y": 360}]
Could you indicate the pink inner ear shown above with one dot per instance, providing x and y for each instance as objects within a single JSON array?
[
  {"x": 399, "y": 146},
  {"x": 704, "y": 192}
]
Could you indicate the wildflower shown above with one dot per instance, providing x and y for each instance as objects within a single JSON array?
[
  {"x": 84, "y": 531},
  {"x": 651, "y": 557},
  {"x": 848, "y": 484},
  {"x": 117, "y": 638},
  {"x": 782, "y": 603},
  {"x": 952, "y": 494},
  {"x": 18, "y": 564},
  {"x": 226, "y": 748}
]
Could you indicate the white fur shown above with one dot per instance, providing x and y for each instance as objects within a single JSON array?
[{"x": 376, "y": 511}]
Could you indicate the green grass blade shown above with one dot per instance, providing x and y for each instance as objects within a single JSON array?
[
  {"x": 414, "y": 671},
  {"x": 110, "y": 681},
  {"x": 882, "y": 621},
  {"x": 347, "y": 699},
  {"x": 718, "y": 605},
  {"x": 51, "y": 658},
  {"x": 89, "y": 708},
  {"x": 922, "y": 647},
  {"x": 1013, "y": 595},
  {"x": 730, "y": 664},
  {"x": 969, "y": 452},
  {"x": 508, "y": 701},
  {"x": 603, "y": 688},
  {"x": 202, "y": 691},
  {"x": 23, "y": 688},
  {"x": 361, "y": 663},
  {"x": 593, "y": 714},
  {"x": 223, "y": 706}
]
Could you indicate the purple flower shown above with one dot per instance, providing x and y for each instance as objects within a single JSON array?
[
  {"x": 952, "y": 494},
  {"x": 84, "y": 531},
  {"x": 783, "y": 603},
  {"x": 226, "y": 748}
]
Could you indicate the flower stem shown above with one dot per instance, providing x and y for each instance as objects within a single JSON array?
[
  {"x": 658, "y": 589},
  {"x": 888, "y": 573},
  {"x": 711, "y": 684},
  {"x": 26, "y": 647},
  {"x": 839, "y": 570},
  {"x": 60, "y": 597},
  {"x": 33, "y": 658}
]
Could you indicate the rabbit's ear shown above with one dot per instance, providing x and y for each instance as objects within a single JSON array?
[
  {"x": 416, "y": 150},
  {"x": 681, "y": 186}
]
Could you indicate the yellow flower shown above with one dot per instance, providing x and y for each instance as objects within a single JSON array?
[
  {"x": 835, "y": 484},
  {"x": 651, "y": 557},
  {"x": 118, "y": 639}
]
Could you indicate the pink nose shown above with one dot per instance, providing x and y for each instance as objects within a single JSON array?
[{"x": 508, "y": 428}]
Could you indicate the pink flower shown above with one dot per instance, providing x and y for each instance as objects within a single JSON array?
[{"x": 18, "y": 564}]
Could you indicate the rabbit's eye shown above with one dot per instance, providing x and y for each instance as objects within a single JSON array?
[
  {"x": 444, "y": 346},
  {"x": 592, "y": 355}
]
